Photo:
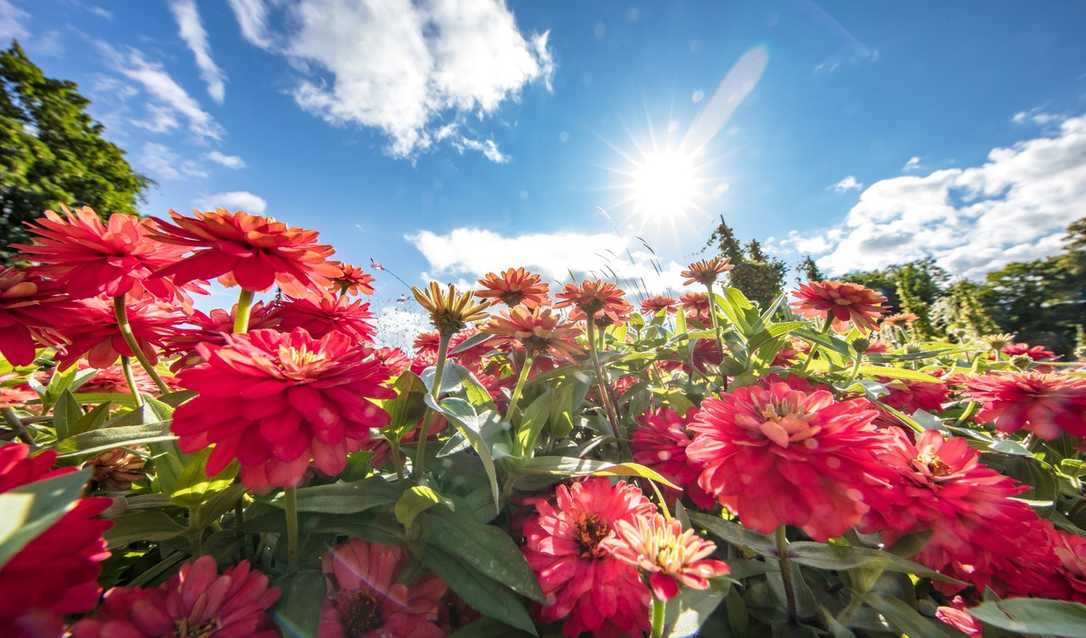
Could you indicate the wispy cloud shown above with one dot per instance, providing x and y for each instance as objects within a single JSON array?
[
  {"x": 1037, "y": 116},
  {"x": 12, "y": 20},
  {"x": 252, "y": 17},
  {"x": 164, "y": 164},
  {"x": 193, "y": 33},
  {"x": 229, "y": 161},
  {"x": 913, "y": 164},
  {"x": 848, "y": 183},
  {"x": 234, "y": 200}
]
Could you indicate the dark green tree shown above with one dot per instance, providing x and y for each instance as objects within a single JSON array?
[
  {"x": 884, "y": 281},
  {"x": 52, "y": 152},
  {"x": 919, "y": 285},
  {"x": 759, "y": 276},
  {"x": 809, "y": 270}
]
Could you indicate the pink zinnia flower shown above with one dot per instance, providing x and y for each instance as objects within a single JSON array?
[
  {"x": 365, "y": 599},
  {"x": 275, "y": 401},
  {"x": 1037, "y": 353},
  {"x": 513, "y": 287},
  {"x": 598, "y": 299},
  {"x": 92, "y": 330},
  {"x": 784, "y": 456},
  {"x": 844, "y": 302},
  {"x": 213, "y": 328},
  {"x": 656, "y": 303},
  {"x": 323, "y": 315},
  {"x": 672, "y": 558},
  {"x": 197, "y": 601},
  {"x": 696, "y": 305},
  {"x": 586, "y": 588},
  {"x": 957, "y": 617},
  {"x": 1070, "y": 550},
  {"x": 1045, "y": 404},
  {"x": 660, "y": 443},
  {"x": 30, "y": 308}
]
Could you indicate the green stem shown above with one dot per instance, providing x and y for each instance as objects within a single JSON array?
[
  {"x": 244, "y": 309},
  {"x": 397, "y": 460},
  {"x": 659, "y": 607},
  {"x": 602, "y": 385},
  {"x": 126, "y": 368},
  {"x": 786, "y": 573},
  {"x": 435, "y": 392},
  {"x": 290, "y": 501},
  {"x": 20, "y": 429},
  {"x": 719, "y": 336},
  {"x": 121, "y": 313},
  {"x": 518, "y": 390},
  {"x": 967, "y": 413},
  {"x": 660, "y": 497},
  {"x": 855, "y": 368},
  {"x": 810, "y": 353}
]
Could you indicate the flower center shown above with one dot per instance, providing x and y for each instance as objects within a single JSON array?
[
  {"x": 182, "y": 628},
  {"x": 512, "y": 297},
  {"x": 362, "y": 615},
  {"x": 590, "y": 532},
  {"x": 932, "y": 465}
]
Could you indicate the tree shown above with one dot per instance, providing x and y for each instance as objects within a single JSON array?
[
  {"x": 52, "y": 152},
  {"x": 759, "y": 276},
  {"x": 883, "y": 281},
  {"x": 809, "y": 270}
]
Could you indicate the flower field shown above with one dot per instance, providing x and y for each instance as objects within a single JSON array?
[{"x": 551, "y": 459}]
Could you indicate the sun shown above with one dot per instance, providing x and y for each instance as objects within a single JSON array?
[{"x": 665, "y": 185}]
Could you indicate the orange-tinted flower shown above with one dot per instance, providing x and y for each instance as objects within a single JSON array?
[
  {"x": 595, "y": 298},
  {"x": 536, "y": 331},
  {"x": 275, "y": 401},
  {"x": 672, "y": 558},
  {"x": 321, "y": 316},
  {"x": 587, "y": 588},
  {"x": 250, "y": 251},
  {"x": 450, "y": 311},
  {"x": 30, "y": 308},
  {"x": 778, "y": 455},
  {"x": 696, "y": 305},
  {"x": 352, "y": 280},
  {"x": 706, "y": 271},
  {"x": 93, "y": 331},
  {"x": 88, "y": 258},
  {"x": 899, "y": 318},
  {"x": 514, "y": 286},
  {"x": 195, "y": 602},
  {"x": 1045, "y": 404},
  {"x": 56, "y": 573},
  {"x": 1036, "y": 353},
  {"x": 656, "y": 303},
  {"x": 843, "y": 302},
  {"x": 366, "y": 600}
]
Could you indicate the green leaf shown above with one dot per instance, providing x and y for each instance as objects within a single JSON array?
[
  {"x": 688, "y": 611},
  {"x": 32, "y": 508},
  {"x": 146, "y": 525},
  {"x": 471, "y": 342},
  {"x": 407, "y": 408},
  {"x": 91, "y": 420},
  {"x": 735, "y": 534},
  {"x": 487, "y": 548},
  {"x": 344, "y": 497},
  {"x": 108, "y": 438},
  {"x": 1033, "y": 616},
  {"x": 463, "y": 415},
  {"x": 485, "y": 595},
  {"x": 535, "y": 417},
  {"x": 841, "y": 558},
  {"x": 487, "y": 628},
  {"x": 573, "y": 466},
  {"x": 219, "y": 504},
  {"x": 194, "y": 486},
  {"x": 907, "y": 620},
  {"x": 414, "y": 501},
  {"x": 66, "y": 414},
  {"x": 826, "y": 341},
  {"x": 897, "y": 373},
  {"x": 298, "y": 613}
]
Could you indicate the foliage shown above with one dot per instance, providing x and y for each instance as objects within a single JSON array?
[
  {"x": 759, "y": 276},
  {"x": 52, "y": 152}
]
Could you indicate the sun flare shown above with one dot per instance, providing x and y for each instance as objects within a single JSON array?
[{"x": 663, "y": 186}]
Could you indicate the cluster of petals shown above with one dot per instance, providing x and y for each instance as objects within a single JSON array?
[
  {"x": 251, "y": 251},
  {"x": 660, "y": 443},
  {"x": 322, "y": 315},
  {"x": 587, "y": 588},
  {"x": 56, "y": 573},
  {"x": 908, "y": 396},
  {"x": 783, "y": 454},
  {"x": 706, "y": 271},
  {"x": 352, "y": 280},
  {"x": 1044, "y": 404},
  {"x": 672, "y": 558},
  {"x": 536, "y": 331},
  {"x": 656, "y": 303},
  {"x": 843, "y": 302},
  {"x": 365, "y": 599},
  {"x": 30, "y": 307},
  {"x": 957, "y": 617},
  {"x": 275, "y": 401},
  {"x": 197, "y": 601},
  {"x": 696, "y": 305},
  {"x": 1070, "y": 551},
  {"x": 92, "y": 330},
  {"x": 513, "y": 287},
  {"x": 111, "y": 380},
  {"x": 602, "y": 300},
  {"x": 213, "y": 327},
  {"x": 1036, "y": 353}
]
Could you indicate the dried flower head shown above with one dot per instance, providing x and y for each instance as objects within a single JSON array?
[
  {"x": 450, "y": 310},
  {"x": 998, "y": 341}
]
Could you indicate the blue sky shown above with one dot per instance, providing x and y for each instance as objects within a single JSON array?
[{"x": 446, "y": 139}]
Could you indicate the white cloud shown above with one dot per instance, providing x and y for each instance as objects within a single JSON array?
[
  {"x": 913, "y": 164},
  {"x": 160, "y": 119},
  {"x": 193, "y": 33},
  {"x": 234, "y": 200},
  {"x": 1014, "y": 206},
  {"x": 252, "y": 17},
  {"x": 488, "y": 148},
  {"x": 163, "y": 163},
  {"x": 848, "y": 183},
  {"x": 403, "y": 67},
  {"x": 11, "y": 22},
  {"x": 229, "y": 161},
  {"x": 168, "y": 95},
  {"x": 1037, "y": 116},
  {"x": 101, "y": 12},
  {"x": 460, "y": 255}
]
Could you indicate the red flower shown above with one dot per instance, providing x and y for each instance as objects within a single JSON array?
[
  {"x": 1037, "y": 353},
  {"x": 365, "y": 599},
  {"x": 30, "y": 308},
  {"x": 909, "y": 396},
  {"x": 656, "y": 303},
  {"x": 88, "y": 258},
  {"x": 15, "y": 397},
  {"x": 1045, "y": 404},
  {"x": 251, "y": 251},
  {"x": 93, "y": 331},
  {"x": 537, "y": 331},
  {"x": 1070, "y": 550},
  {"x": 706, "y": 271},
  {"x": 276, "y": 400},
  {"x": 325, "y": 315},
  {"x": 843, "y": 301},
  {"x": 394, "y": 359},
  {"x": 671, "y": 557},
  {"x": 111, "y": 380},
  {"x": 56, "y": 573},
  {"x": 595, "y": 298},
  {"x": 587, "y": 588},
  {"x": 213, "y": 328},
  {"x": 696, "y": 305},
  {"x": 957, "y": 617},
  {"x": 427, "y": 343},
  {"x": 660, "y": 443},
  {"x": 784, "y": 456},
  {"x": 196, "y": 601},
  {"x": 514, "y": 286},
  {"x": 351, "y": 280},
  {"x": 471, "y": 356},
  {"x": 943, "y": 487}
]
